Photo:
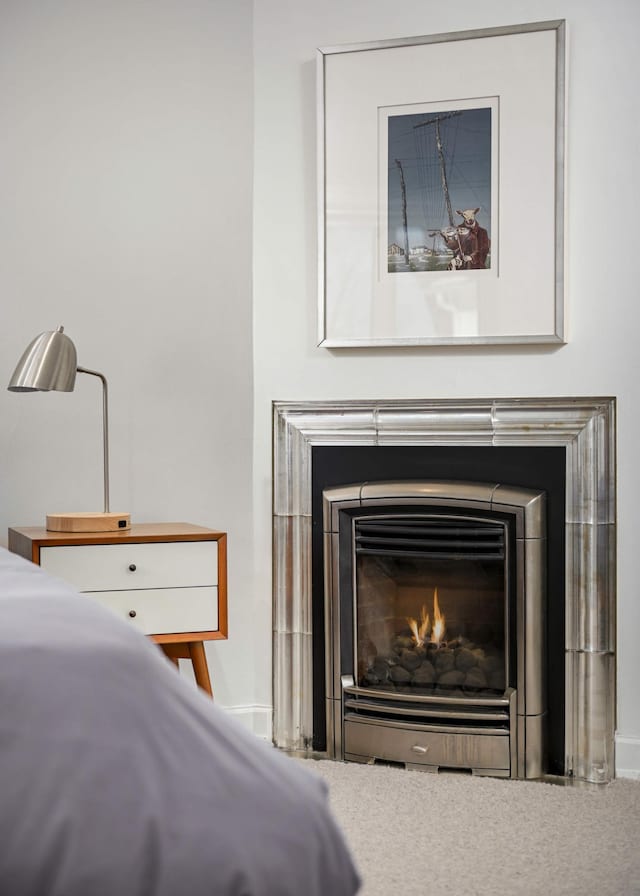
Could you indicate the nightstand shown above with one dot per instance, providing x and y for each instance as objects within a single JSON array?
[{"x": 169, "y": 580}]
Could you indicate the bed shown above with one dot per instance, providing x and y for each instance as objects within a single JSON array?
[{"x": 119, "y": 777}]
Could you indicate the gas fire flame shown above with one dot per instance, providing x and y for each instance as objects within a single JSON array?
[
  {"x": 419, "y": 630},
  {"x": 437, "y": 632}
]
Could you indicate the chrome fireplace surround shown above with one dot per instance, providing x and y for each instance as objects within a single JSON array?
[
  {"x": 401, "y": 696},
  {"x": 585, "y": 427}
]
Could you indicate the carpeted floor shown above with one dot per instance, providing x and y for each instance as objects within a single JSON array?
[{"x": 419, "y": 833}]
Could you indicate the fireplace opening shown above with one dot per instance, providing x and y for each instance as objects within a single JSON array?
[
  {"x": 416, "y": 579},
  {"x": 431, "y": 600}
]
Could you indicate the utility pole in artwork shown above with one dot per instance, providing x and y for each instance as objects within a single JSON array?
[
  {"x": 404, "y": 211},
  {"x": 443, "y": 170}
]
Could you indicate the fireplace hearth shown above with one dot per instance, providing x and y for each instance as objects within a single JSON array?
[{"x": 582, "y": 575}]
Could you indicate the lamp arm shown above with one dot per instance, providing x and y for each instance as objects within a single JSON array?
[{"x": 105, "y": 430}]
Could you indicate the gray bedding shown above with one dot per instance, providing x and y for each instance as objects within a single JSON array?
[{"x": 117, "y": 777}]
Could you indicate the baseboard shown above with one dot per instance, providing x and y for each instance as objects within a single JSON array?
[
  {"x": 627, "y": 757},
  {"x": 257, "y": 718}
]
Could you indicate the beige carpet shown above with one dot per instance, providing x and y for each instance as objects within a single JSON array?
[{"x": 419, "y": 833}]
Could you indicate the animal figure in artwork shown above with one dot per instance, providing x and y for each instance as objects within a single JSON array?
[{"x": 468, "y": 241}]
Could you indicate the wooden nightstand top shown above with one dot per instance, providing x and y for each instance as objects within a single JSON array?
[{"x": 20, "y": 536}]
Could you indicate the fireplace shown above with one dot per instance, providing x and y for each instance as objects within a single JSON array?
[
  {"x": 578, "y": 432},
  {"x": 435, "y": 625}
]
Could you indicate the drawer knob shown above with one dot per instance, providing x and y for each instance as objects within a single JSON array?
[
  {"x": 132, "y": 567},
  {"x": 132, "y": 613}
]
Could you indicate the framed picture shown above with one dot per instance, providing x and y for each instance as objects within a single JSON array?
[{"x": 441, "y": 189}]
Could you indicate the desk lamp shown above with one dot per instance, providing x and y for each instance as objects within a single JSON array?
[{"x": 48, "y": 364}]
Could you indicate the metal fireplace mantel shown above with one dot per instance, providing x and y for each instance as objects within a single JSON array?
[{"x": 584, "y": 426}]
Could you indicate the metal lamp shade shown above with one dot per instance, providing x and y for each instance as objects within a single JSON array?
[{"x": 48, "y": 364}]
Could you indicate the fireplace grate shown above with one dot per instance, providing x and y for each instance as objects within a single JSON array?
[
  {"x": 487, "y": 713},
  {"x": 438, "y": 538}
]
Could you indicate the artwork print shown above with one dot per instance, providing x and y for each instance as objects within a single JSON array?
[
  {"x": 439, "y": 200},
  {"x": 424, "y": 169}
]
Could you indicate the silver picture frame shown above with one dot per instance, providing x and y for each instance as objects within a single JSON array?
[{"x": 399, "y": 264}]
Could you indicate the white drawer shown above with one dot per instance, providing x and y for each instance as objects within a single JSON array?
[
  {"x": 164, "y": 611},
  {"x": 114, "y": 567}
]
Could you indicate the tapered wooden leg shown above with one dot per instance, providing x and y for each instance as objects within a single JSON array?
[
  {"x": 170, "y": 652},
  {"x": 200, "y": 668},
  {"x": 194, "y": 651}
]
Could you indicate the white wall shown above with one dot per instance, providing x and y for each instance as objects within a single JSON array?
[
  {"x": 601, "y": 357},
  {"x": 125, "y": 177},
  {"x": 126, "y": 185}
]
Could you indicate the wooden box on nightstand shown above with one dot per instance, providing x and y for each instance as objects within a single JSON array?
[{"x": 167, "y": 579}]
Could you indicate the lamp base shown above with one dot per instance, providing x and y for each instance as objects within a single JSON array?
[{"x": 88, "y": 522}]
